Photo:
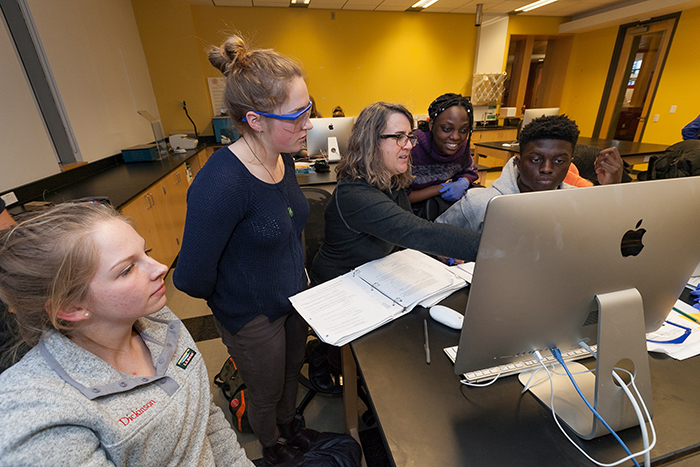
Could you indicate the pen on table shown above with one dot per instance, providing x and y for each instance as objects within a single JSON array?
[
  {"x": 427, "y": 342},
  {"x": 695, "y": 320}
]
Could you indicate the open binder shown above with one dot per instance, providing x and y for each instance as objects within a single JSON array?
[{"x": 376, "y": 293}]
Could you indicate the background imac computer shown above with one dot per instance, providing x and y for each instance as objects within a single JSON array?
[
  {"x": 603, "y": 265},
  {"x": 329, "y": 137},
  {"x": 531, "y": 114}
]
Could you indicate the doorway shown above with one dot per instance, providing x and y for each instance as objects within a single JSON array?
[
  {"x": 536, "y": 67},
  {"x": 634, "y": 75}
]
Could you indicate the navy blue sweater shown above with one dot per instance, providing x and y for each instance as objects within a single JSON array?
[{"x": 242, "y": 251}]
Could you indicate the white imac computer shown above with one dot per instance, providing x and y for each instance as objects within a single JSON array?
[
  {"x": 329, "y": 137},
  {"x": 602, "y": 265},
  {"x": 531, "y": 114}
]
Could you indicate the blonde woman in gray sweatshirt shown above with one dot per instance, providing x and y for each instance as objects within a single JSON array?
[{"x": 113, "y": 378}]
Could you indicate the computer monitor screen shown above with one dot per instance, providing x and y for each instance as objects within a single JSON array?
[
  {"x": 531, "y": 114},
  {"x": 317, "y": 139},
  {"x": 544, "y": 257}
]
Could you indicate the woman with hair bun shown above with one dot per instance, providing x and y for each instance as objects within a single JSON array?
[
  {"x": 442, "y": 163},
  {"x": 113, "y": 378},
  {"x": 242, "y": 249}
]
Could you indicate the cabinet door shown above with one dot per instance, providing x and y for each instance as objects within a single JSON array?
[
  {"x": 174, "y": 187},
  {"x": 195, "y": 166},
  {"x": 159, "y": 215},
  {"x": 510, "y": 134},
  {"x": 140, "y": 211}
]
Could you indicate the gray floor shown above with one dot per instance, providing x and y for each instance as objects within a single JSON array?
[{"x": 324, "y": 413}]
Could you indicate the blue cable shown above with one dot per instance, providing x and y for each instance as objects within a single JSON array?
[{"x": 557, "y": 354}]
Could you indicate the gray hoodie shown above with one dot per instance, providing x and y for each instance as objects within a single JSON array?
[
  {"x": 63, "y": 406},
  {"x": 470, "y": 210}
]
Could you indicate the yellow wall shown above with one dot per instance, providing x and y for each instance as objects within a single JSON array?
[
  {"x": 585, "y": 76},
  {"x": 172, "y": 51},
  {"x": 353, "y": 60},
  {"x": 534, "y": 25},
  {"x": 361, "y": 57},
  {"x": 588, "y": 68},
  {"x": 679, "y": 84}
]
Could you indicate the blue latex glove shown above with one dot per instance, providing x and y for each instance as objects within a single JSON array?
[
  {"x": 452, "y": 191},
  {"x": 696, "y": 295}
]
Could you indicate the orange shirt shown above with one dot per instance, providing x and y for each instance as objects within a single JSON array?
[{"x": 574, "y": 179}]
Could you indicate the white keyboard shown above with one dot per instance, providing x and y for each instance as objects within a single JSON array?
[{"x": 509, "y": 369}]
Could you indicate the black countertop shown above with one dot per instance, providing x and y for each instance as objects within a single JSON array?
[
  {"x": 123, "y": 182},
  {"x": 494, "y": 127},
  {"x": 111, "y": 177}
]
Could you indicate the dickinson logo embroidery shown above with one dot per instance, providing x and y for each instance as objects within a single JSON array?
[
  {"x": 136, "y": 413},
  {"x": 186, "y": 358}
]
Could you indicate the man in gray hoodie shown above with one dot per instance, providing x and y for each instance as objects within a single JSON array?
[{"x": 546, "y": 151}]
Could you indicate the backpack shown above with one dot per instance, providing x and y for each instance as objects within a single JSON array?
[
  {"x": 679, "y": 160},
  {"x": 228, "y": 379}
]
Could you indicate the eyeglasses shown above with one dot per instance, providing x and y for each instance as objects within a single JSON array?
[
  {"x": 287, "y": 117},
  {"x": 402, "y": 138}
]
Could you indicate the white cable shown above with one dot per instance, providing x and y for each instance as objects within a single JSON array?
[
  {"x": 482, "y": 385},
  {"x": 585, "y": 347},
  {"x": 640, "y": 415},
  {"x": 556, "y": 420},
  {"x": 529, "y": 383}
]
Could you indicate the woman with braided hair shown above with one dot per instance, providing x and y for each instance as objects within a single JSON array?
[{"x": 442, "y": 163}]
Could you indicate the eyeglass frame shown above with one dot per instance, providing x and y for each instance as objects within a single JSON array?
[
  {"x": 287, "y": 117},
  {"x": 397, "y": 136}
]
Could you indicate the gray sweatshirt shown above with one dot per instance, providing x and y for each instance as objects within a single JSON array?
[
  {"x": 63, "y": 406},
  {"x": 470, "y": 210}
]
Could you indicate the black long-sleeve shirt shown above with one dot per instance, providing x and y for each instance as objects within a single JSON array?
[{"x": 364, "y": 223}]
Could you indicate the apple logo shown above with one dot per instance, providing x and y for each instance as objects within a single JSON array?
[
  {"x": 632, "y": 241},
  {"x": 330, "y": 126}
]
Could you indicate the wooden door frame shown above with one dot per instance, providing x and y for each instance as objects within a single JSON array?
[
  {"x": 553, "y": 75},
  {"x": 616, "y": 75}
]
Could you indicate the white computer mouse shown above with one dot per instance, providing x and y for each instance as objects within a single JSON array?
[{"x": 447, "y": 316}]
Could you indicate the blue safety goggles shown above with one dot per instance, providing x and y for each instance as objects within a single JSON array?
[{"x": 288, "y": 117}]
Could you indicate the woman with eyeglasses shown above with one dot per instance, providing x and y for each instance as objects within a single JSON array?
[
  {"x": 242, "y": 249},
  {"x": 369, "y": 215},
  {"x": 442, "y": 163}
]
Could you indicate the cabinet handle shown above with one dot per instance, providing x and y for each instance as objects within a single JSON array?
[
  {"x": 177, "y": 175},
  {"x": 164, "y": 192},
  {"x": 148, "y": 200},
  {"x": 153, "y": 200}
]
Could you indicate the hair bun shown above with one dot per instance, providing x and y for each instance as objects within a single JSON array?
[{"x": 233, "y": 51}]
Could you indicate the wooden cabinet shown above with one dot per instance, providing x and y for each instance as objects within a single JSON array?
[
  {"x": 486, "y": 136},
  {"x": 197, "y": 162},
  {"x": 140, "y": 211},
  {"x": 159, "y": 213}
]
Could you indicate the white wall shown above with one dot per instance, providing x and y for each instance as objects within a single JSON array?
[
  {"x": 26, "y": 152},
  {"x": 90, "y": 46},
  {"x": 491, "y": 45}
]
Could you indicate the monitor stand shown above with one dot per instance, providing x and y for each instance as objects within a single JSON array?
[
  {"x": 333, "y": 149},
  {"x": 621, "y": 335}
]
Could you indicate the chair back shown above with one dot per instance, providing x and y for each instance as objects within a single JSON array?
[{"x": 314, "y": 230}]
